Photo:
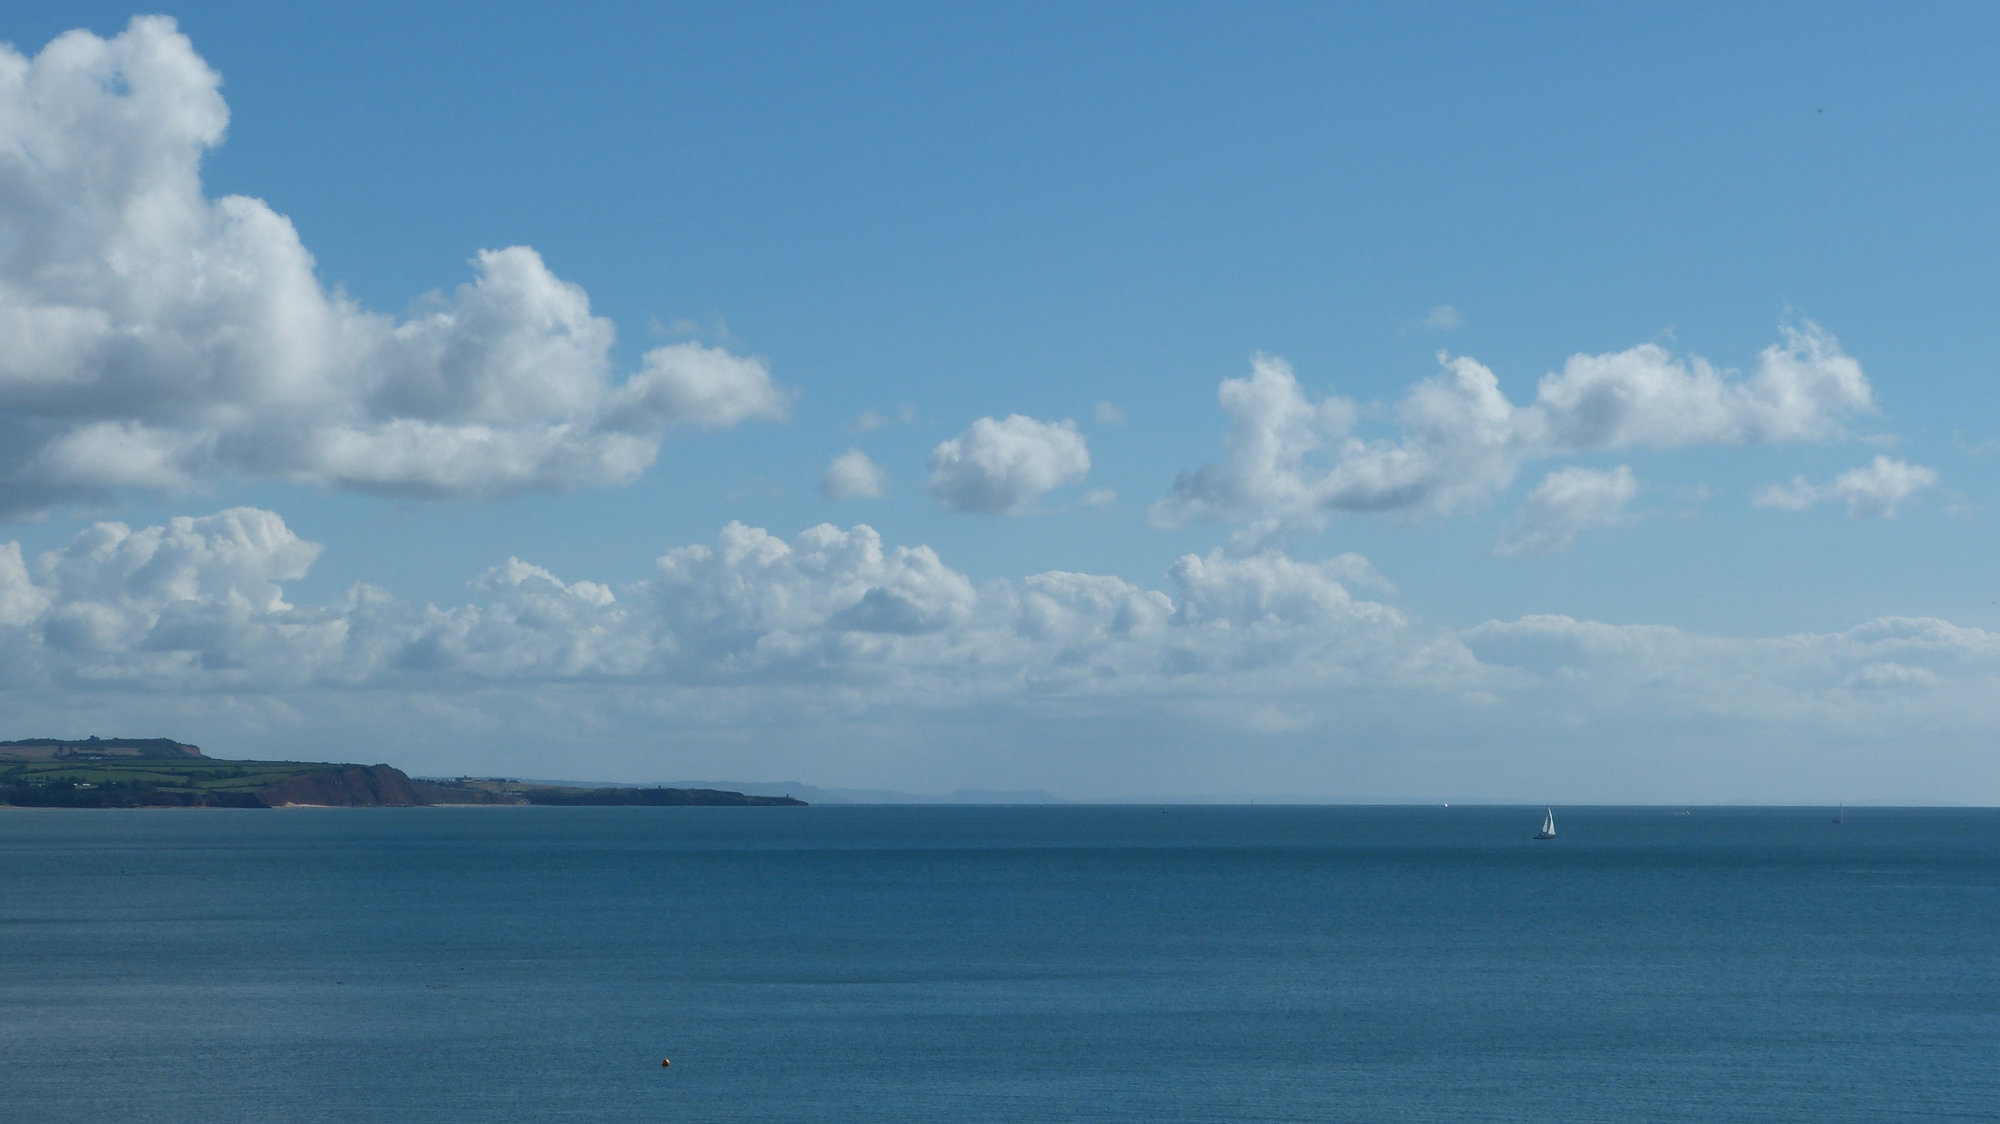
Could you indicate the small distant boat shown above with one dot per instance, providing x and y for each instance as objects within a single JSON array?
[
  {"x": 1840, "y": 814},
  {"x": 1548, "y": 825}
]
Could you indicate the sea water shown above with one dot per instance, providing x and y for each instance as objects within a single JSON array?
[{"x": 999, "y": 964}]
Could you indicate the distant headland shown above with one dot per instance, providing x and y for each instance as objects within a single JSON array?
[
  {"x": 163, "y": 773},
  {"x": 94, "y": 748}
]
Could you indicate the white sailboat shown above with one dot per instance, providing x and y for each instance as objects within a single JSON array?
[
  {"x": 1840, "y": 814},
  {"x": 1548, "y": 825}
]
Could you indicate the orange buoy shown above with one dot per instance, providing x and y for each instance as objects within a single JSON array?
[{"x": 665, "y": 1062}]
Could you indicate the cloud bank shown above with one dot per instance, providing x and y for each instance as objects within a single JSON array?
[
  {"x": 1290, "y": 461},
  {"x": 187, "y": 606},
  {"x": 833, "y": 636},
  {"x": 158, "y": 339}
]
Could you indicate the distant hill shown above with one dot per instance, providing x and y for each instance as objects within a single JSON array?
[
  {"x": 94, "y": 749},
  {"x": 474, "y": 790},
  {"x": 819, "y": 795}
]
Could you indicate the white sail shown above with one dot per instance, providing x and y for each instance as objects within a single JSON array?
[{"x": 1548, "y": 825}]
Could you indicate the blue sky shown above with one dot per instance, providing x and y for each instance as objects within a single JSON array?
[{"x": 932, "y": 218}]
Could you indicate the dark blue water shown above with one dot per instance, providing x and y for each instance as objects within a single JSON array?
[{"x": 999, "y": 964}]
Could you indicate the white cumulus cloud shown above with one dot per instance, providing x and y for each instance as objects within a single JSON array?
[
  {"x": 853, "y": 476},
  {"x": 119, "y": 604},
  {"x": 1290, "y": 460},
  {"x": 1873, "y": 489},
  {"x": 1005, "y": 465},
  {"x": 156, "y": 338},
  {"x": 1568, "y": 502}
]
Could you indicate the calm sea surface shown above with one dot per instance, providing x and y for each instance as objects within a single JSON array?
[{"x": 999, "y": 964}]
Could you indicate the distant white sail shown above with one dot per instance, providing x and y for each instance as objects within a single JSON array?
[{"x": 1548, "y": 825}]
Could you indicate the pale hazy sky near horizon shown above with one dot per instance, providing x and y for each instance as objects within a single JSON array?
[{"x": 1561, "y": 404}]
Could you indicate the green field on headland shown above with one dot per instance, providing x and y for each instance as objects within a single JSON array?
[{"x": 199, "y": 783}]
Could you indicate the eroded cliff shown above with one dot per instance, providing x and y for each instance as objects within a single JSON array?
[{"x": 346, "y": 786}]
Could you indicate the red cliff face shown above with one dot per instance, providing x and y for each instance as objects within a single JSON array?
[{"x": 349, "y": 786}]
